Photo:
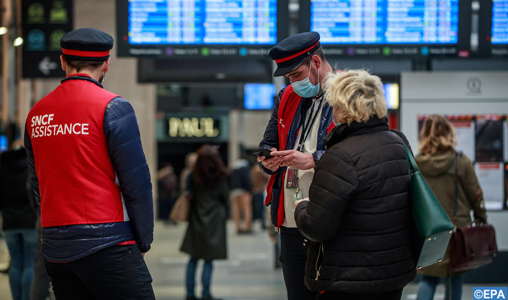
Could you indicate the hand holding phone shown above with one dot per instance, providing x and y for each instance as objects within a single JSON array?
[
  {"x": 268, "y": 161},
  {"x": 263, "y": 152}
]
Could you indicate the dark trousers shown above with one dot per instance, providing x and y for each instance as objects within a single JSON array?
[
  {"x": 117, "y": 272},
  {"x": 41, "y": 281},
  {"x": 258, "y": 208},
  {"x": 293, "y": 255},
  {"x": 393, "y": 295}
]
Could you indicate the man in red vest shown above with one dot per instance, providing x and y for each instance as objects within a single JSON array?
[
  {"x": 295, "y": 134},
  {"x": 90, "y": 176}
]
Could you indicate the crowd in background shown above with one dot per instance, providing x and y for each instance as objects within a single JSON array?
[{"x": 247, "y": 184}]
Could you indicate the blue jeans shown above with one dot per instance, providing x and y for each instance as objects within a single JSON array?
[
  {"x": 21, "y": 245},
  {"x": 206, "y": 278},
  {"x": 427, "y": 287}
]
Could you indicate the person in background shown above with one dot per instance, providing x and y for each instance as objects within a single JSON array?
[
  {"x": 205, "y": 237},
  {"x": 259, "y": 181},
  {"x": 358, "y": 219},
  {"x": 438, "y": 161},
  {"x": 241, "y": 186},
  {"x": 18, "y": 219},
  {"x": 190, "y": 162},
  {"x": 41, "y": 282},
  {"x": 167, "y": 184}
]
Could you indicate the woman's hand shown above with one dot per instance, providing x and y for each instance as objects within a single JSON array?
[{"x": 300, "y": 201}]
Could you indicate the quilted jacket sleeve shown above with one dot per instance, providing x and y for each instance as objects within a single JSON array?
[
  {"x": 334, "y": 182},
  {"x": 32, "y": 176},
  {"x": 317, "y": 156},
  {"x": 126, "y": 153},
  {"x": 271, "y": 135}
]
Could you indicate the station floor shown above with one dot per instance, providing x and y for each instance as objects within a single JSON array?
[{"x": 248, "y": 274}]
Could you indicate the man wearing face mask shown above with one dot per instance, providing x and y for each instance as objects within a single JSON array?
[
  {"x": 91, "y": 178},
  {"x": 295, "y": 136}
]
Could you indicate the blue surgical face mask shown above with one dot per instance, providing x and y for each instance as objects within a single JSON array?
[{"x": 304, "y": 88}]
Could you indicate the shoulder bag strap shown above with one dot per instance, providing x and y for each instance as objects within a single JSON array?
[
  {"x": 457, "y": 162},
  {"x": 410, "y": 158}
]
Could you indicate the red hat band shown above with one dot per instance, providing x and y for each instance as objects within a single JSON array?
[
  {"x": 85, "y": 53},
  {"x": 295, "y": 55}
]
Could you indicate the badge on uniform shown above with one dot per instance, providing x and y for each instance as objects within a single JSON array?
[
  {"x": 292, "y": 183},
  {"x": 292, "y": 178}
]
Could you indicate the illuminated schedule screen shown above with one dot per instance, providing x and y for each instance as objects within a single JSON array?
[
  {"x": 259, "y": 95},
  {"x": 500, "y": 22},
  {"x": 386, "y": 21},
  {"x": 202, "y": 22}
]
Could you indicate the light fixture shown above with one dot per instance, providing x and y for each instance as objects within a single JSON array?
[
  {"x": 18, "y": 42},
  {"x": 3, "y": 30}
]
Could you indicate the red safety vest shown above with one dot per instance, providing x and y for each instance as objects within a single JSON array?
[{"x": 77, "y": 181}]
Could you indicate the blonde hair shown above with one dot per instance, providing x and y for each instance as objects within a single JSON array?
[
  {"x": 437, "y": 135},
  {"x": 358, "y": 94}
]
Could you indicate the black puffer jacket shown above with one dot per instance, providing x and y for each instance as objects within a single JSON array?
[
  {"x": 14, "y": 199},
  {"x": 359, "y": 213}
]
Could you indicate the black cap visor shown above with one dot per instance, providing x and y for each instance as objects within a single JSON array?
[{"x": 283, "y": 69}]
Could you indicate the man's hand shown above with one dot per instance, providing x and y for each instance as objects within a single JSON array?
[
  {"x": 271, "y": 164},
  {"x": 294, "y": 159}
]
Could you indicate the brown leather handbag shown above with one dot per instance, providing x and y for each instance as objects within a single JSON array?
[
  {"x": 181, "y": 209},
  {"x": 473, "y": 246}
]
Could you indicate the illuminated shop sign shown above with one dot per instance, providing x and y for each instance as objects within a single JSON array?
[
  {"x": 193, "y": 127},
  {"x": 211, "y": 127}
]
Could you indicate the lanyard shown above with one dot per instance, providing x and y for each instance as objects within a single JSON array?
[{"x": 307, "y": 129}]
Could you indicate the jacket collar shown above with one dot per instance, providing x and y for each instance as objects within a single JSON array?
[
  {"x": 343, "y": 131},
  {"x": 82, "y": 76}
]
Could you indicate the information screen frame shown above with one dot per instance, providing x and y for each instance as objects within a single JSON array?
[
  {"x": 461, "y": 48},
  {"x": 125, "y": 49}
]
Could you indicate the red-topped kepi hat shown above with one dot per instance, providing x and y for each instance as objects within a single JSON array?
[
  {"x": 87, "y": 44},
  {"x": 292, "y": 51}
]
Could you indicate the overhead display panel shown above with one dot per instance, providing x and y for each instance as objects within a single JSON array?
[
  {"x": 259, "y": 95},
  {"x": 391, "y": 91},
  {"x": 202, "y": 22},
  {"x": 200, "y": 27},
  {"x": 388, "y": 27},
  {"x": 385, "y": 22},
  {"x": 498, "y": 16},
  {"x": 499, "y": 22}
]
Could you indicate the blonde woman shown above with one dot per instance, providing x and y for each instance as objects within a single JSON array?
[
  {"x": 358, "y": 216},
  {"x": 437, "y": 162}
]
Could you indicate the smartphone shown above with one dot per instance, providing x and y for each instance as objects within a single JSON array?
[{"x": 263, "y": 152}]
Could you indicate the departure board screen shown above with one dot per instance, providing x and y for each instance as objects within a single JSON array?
[
  {"x": 259, "y": 95},
  {"x": 202, "y": 22},
  {"x": 499, "y": 22},
  {"x": 385, "y": 21}
]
